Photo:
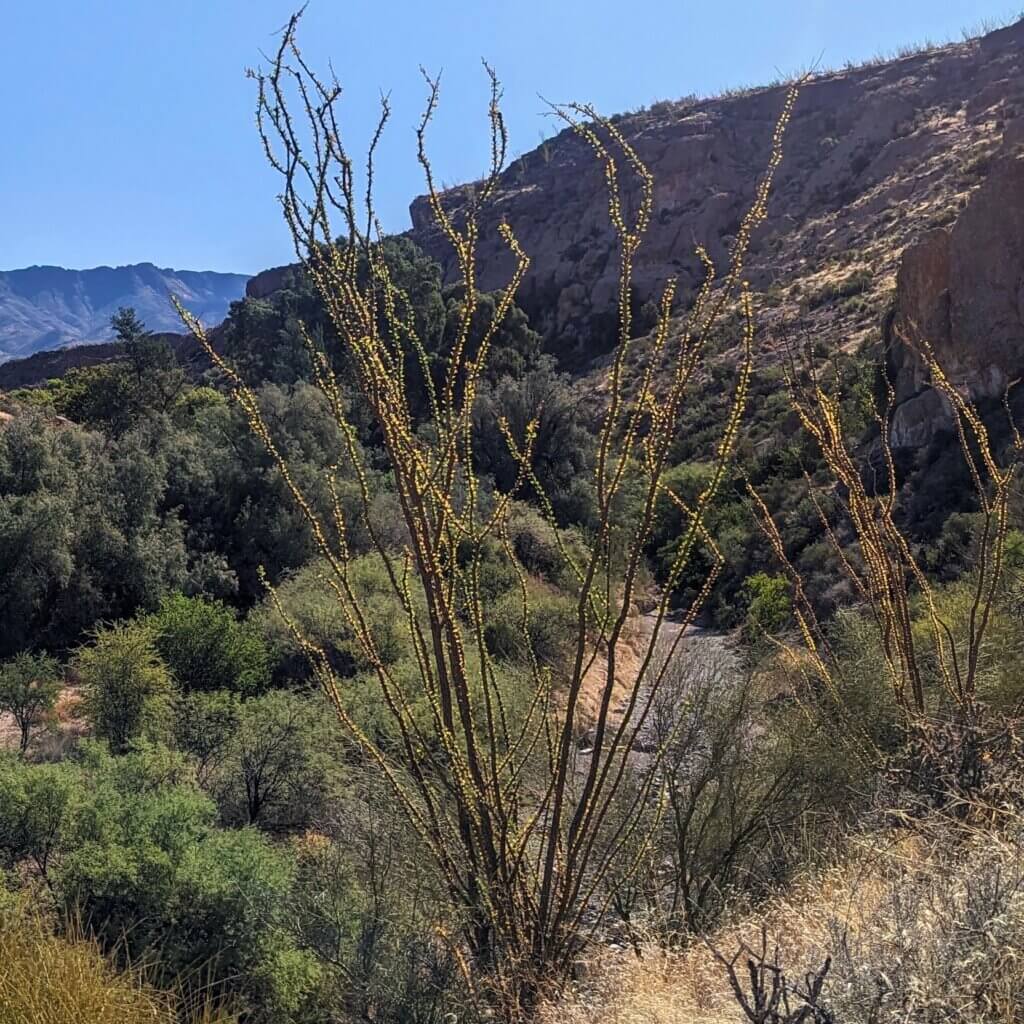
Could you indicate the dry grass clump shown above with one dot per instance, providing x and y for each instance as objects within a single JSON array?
[
  {"x": 924, "y": 926},
  {"x": 46, "y": 979}
]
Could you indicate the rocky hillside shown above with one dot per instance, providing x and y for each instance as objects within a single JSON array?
[
  {"x": 50, "y": 307},
  {"x": 876, "y": 158}
]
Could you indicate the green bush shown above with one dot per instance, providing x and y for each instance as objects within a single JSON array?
[
  {"x": 363, "y": 904},
  {"x": 29, "y": 687},
  {"x": 314, "y": 607},
  {"x": 551, "y": 627},
  {"x": 204, "y": 726},
  {"x": 38, "y": 808},
  {"x": 206, "y": 647},
  {"x": 768, "y": 605},
  {"x": 130, "y": 848},
  {"x": 277, "y": 767}
]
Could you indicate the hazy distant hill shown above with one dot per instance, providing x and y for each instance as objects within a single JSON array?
[{"x": 49, "y": 307}]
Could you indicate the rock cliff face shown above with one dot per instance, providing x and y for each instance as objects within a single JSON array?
[
  {"x": 266, "y": 282},
  {"x": 876, "y": 158},
  {"x": 961, "y": 289}
]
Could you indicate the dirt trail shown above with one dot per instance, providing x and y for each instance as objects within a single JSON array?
[{"x": 632, "y": 650}]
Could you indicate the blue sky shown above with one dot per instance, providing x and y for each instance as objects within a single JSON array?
[{"x": 129, "y": 130}]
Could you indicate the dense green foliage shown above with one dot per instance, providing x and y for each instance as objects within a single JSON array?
[
  {"x": 130, "y": 844},
  {"x": 127, "y": 688},
  {"x": 206, "y": 647}
]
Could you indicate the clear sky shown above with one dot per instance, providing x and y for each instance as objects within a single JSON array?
[{"x": 128, "y": 124}]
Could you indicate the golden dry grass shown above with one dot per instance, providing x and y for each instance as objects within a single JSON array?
[
  {"x": 45, "y": 979},
  {"x": 856, "y": 897}
]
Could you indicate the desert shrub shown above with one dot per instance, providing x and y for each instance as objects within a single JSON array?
[
  {"x": 943, "y": 942},
  {"x": 275, "y": 760},
  {"x": 857, "y": 703},
  {"x": 127, "y": 689},
  {"x": 366, "y": 906},
  {"x": 28, "y": 691},
  {"x": 768, "y": 605},
  {"x": 1000, "y": 681},
  {"x": 537, "y": 547},
  {"x": 730, "y": 525},
  {"x": 38, "y": 811},
  {"x": 748, "y": 780},
  {"x": 204, "y": 726},
  {"x": 232, "y": 920},
  {"x": 858, "y": 694},
  {"x": 306, "y": 601},
  {"x": 549, "y": 627},
  {"x": 206, "y": 647},
  {"x": 563, "y": 448},
  {"x": 497, "y": 576}
]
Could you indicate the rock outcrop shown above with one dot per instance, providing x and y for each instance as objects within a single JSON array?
[
  {"x": 875, "y": 157},
  {"x": 961, "y": 291},
  {"x": 266, "y": 282}
]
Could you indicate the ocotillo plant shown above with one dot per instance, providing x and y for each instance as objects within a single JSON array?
[
  {"x": 523, "y": 861},
  {"x": 884, "y": 571}
]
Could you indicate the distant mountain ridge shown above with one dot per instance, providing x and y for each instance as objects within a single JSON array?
[{"x": 44, "y": 308}]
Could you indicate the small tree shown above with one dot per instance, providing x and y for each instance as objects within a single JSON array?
[
  {"x": 158, "y": 378},
  {"x": 769, "y": 607},
  {"x": 29, "y": 686},
  {"x": 275, "y": 768},
  {"x": 204, "y": 725},
  {"x": 127, "y": 686},
  {"x": 37, "y": 808}
]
